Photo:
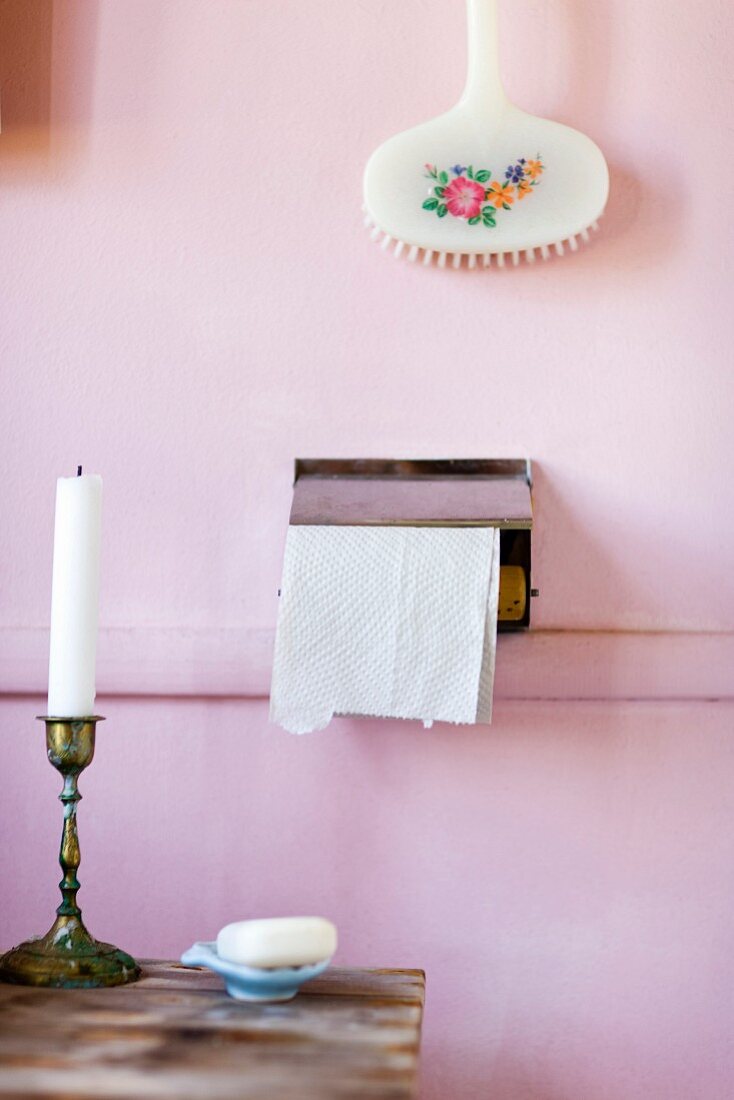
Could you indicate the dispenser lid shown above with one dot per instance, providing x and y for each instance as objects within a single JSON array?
[{"x": 471, "y": 492}]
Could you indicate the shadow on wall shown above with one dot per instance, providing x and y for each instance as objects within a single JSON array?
[
  {"x": 643, "y": 227},
  {"x": 587, "y": 586},
  {"x": 46, "y": 82},
  {"x": 594, "y": 581},
  {"x": 578, "y": 569}
]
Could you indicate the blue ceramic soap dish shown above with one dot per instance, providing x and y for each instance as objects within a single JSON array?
[{"x": 249, "y": 983}]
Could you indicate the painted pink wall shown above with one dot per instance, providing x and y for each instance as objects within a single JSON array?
[
  {"x": 564, "y": 878},
  {"x": 188, "y": 301},
  {"x": 192, "y": 300}
]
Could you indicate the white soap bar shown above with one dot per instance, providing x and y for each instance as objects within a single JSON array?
[{"x": 280, "y": 941}]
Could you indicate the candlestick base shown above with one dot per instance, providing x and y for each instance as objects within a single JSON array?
[{"x": 67, "y": 955}]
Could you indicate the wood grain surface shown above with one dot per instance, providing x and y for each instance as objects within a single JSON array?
[{"x": 176, "y": 1033}]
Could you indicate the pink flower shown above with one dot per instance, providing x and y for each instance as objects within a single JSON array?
[{"x": 464, "y": 198}]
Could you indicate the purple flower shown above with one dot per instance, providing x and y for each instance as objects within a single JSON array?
[{"x": 458, "y": 170}]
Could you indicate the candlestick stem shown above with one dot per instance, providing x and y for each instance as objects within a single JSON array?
[
  {"x": 68, "y": 955},
  {"x": 69, "y": 854}
]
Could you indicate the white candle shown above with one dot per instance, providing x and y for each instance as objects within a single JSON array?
[{"x": 74, "y": 597}]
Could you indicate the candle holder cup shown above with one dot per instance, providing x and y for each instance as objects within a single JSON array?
[{"x": 68, "y": 956}]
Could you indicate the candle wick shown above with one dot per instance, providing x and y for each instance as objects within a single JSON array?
[{"x": 78, "y": 471}]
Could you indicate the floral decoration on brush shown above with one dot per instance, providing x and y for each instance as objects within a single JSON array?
[{"x": 470, "y": 194}]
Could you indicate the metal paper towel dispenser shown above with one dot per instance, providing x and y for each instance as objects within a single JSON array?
[{"x": 471, "y": 492}]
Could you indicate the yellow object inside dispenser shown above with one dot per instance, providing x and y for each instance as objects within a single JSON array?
[{"x": 513, "y": 593}]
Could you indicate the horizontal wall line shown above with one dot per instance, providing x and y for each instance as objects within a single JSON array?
[{"x": 539, "y": 665}]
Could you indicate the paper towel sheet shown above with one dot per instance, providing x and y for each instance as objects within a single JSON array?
[{"x": 392, "y": 622}]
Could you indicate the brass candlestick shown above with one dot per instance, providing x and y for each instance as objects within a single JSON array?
[{"x": 67, "y": 955}]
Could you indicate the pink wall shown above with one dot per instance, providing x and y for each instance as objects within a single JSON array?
[
  {"x": 565, "y": 877},
  {"x": 188, "y": 301}
]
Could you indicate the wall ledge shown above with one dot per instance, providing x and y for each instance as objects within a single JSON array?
[{"x": 541, "y": 664}]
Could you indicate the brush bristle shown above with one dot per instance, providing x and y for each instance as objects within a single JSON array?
[{"x": 455, "y": 259}]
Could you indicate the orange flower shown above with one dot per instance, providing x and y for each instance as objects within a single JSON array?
[
  {"x": 523, "y": 189},
  {"x": 533, "y": 168},
  {"x": 501, "y": 194}
]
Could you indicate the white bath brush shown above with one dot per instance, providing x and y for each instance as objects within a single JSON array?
[{"x": 486, "y": 179}]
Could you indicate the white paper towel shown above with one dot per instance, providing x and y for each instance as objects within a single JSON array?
[{"x": 393, "y": 622}]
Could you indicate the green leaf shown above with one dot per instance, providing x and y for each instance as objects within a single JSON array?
[
  {"x": 488, "y": 216},
  {"x": 483, "y": 176},
  {"x": 444, "y": 177},
  {"x": 430, "y": 204},
  {"x": 475, "y": 221},
  {"x": 439, "y": 191},
  {"x": 470, "y": 172},
  {"x": 442, "y": 210},
  {"x": 506, "y": 206}
]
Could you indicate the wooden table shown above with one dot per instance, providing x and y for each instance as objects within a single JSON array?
[{"x": 176, "y": 1033}]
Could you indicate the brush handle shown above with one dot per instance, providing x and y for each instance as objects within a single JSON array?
[{"x": 483, "y": 84}]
